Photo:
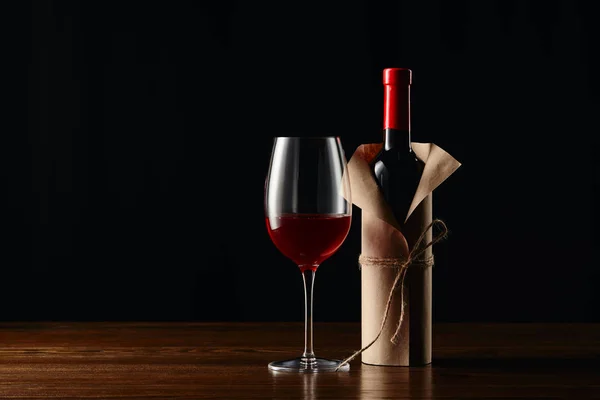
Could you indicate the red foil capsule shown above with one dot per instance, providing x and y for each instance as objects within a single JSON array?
[{"x": 396, "y": 84}]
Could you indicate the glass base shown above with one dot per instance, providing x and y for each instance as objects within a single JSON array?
[{"x": 300, "y": 365}]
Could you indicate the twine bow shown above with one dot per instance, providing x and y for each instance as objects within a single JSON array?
[{"x": 402, "y": 265}]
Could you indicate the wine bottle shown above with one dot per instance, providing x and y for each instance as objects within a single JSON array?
[{"x": 396, "y": 168}]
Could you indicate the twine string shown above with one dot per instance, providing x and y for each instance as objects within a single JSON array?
[{"x": 401, "y": 265}]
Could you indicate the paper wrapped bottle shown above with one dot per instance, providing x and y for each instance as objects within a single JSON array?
[{"x": 407, "y": 344}]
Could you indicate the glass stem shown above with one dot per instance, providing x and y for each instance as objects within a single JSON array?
[{"x": 308, "y": 276}]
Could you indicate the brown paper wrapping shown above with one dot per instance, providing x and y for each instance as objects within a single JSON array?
[{"x": 382, "y": 237}]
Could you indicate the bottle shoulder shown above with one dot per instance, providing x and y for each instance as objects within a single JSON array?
[{"x": 396, "y": 156}]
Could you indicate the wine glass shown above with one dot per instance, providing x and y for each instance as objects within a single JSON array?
[{"x": 308, "y": 212}]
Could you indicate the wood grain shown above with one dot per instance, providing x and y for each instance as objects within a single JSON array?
[{"x": 177, "y": 360}]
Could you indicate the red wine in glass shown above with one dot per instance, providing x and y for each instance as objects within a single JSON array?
[
  {"x": 308, "y": 239},
  {"x": 308, "y": 213}
]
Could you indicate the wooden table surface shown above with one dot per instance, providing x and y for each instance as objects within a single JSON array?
[{"x": 176, "y": 360}]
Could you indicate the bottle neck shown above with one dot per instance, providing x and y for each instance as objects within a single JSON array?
[
  {"x": 396, "y": 117},
  {"x": 395, "y": 139}
]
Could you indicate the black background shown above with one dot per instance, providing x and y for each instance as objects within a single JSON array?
[{"x": 138, "y": 194}]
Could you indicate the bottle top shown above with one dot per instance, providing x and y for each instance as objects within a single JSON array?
[{"x": 397, "y": 76}]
